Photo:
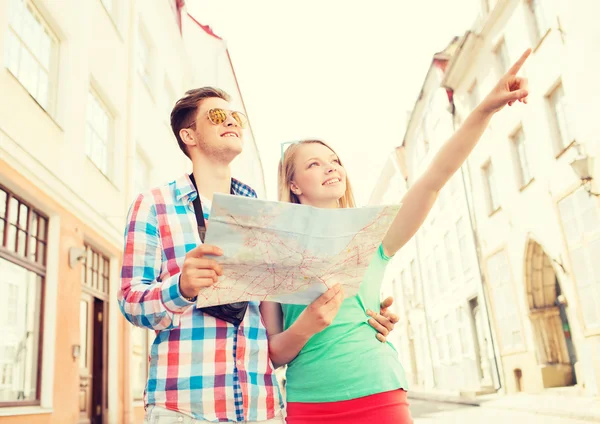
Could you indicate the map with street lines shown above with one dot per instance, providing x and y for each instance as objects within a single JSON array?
[{"x": 290, "y": 253}]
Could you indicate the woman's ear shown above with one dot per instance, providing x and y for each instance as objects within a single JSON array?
[{"x": 295, "y": 189}]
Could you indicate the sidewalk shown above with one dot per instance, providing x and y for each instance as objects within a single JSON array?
[{"x": 551, "y": 404}]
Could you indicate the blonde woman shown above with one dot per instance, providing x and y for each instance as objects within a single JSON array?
[{"x": 337, "y": 370}]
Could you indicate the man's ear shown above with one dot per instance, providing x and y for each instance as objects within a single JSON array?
[{"x": 187, "y": 136}]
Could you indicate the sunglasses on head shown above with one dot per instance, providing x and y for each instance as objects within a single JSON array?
[{"x": 217, "y": 116}]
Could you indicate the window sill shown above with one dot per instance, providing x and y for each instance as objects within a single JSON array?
[
  {"x": 541, "y": 40},
  {"x": 102, "y": 173},
  {"x": 48, "y": 114},
  {"x": 565, "y": 149},
  {"x": 524, "y": 186},
  {"x": 24, "y": 410},
  {"x": 112, "y": 21},
  {"x": 495, "y": 211}
]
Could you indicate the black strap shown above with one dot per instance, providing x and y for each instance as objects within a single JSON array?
[{"x": 234, "y": 312}]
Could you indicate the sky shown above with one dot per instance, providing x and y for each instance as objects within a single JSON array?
[{"x": 347, "y": 72}]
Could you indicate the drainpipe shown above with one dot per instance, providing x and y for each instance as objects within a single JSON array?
[{"x": 473, "y": 226}]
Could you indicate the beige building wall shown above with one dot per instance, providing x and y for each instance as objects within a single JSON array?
[
  {"x": 87, "y": 90},
  {"x": 536, "y": 225}
]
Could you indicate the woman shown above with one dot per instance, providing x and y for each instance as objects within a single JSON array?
[{"x": 337, "y": 370}]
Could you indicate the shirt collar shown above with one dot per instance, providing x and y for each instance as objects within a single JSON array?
[{"x": 185, "y": 189}]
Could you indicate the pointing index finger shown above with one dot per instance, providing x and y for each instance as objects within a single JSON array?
[{"x": 519, "y": 63}]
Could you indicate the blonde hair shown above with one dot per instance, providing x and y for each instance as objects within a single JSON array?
[{"x": 286, "y": 175}]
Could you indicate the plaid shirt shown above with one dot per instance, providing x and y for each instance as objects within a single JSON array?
[{"x": 199, "y": 365}]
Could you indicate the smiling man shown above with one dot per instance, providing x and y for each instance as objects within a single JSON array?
[{"x": 208, "y": 364}]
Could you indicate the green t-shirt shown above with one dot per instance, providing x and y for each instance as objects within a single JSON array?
[{"x": 346, "y": 361}]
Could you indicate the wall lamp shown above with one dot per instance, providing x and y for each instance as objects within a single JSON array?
[{"x": 582, "y": 165}]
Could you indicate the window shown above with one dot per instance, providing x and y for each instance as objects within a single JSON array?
[
  {"x": 441, "y": 201},
  {"x": 438, "y": 268},
  {"x": 416, "y": 282},
  {"x": 23, "y": 241},
  {"x": 463, "y": 246},
  {"x": 523, "y": 172},
  {"x": 450, "y": 337},
  {"x": 98, "y": 133},
  {"x": 95, "y": 272},
  {"x": 169, "y": 101},
  {"x": 143, "y": 58},
  {"x": 450, "y": 255},
  {"x": 559, "y": 108},
  {"x": 463, "y": 334},
  {"x": 490, "y": 4},
  {"x": 108, "y": 5},
  {"x": 538, "y": 19},
  {"x": 581, "y": 224},
  {"x": 422, "y": 146},
  {"x": 432, "y": 282},
  {"x": 31, "y": 52},
  {"x": 437, "y": 334},
  {"x": 490, "y": 187},
  {"x": 502, "y": 61},
  {"x": 504, "y": 302},
  {"x": 141, "y": 344},
  {"x": 473, "y": 94},
  {"x": 142, "y": 174}
]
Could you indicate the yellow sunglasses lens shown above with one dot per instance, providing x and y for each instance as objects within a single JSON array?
[
  {"x": 240, "y": 118},
  {"x": 217, "y": 116}
]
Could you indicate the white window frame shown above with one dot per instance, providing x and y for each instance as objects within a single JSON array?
[
  {"x": 91, "y": 131},
  {"x": 519, "y": 146},
  {"x": 562, "y": 126},
  {"x": 501, "y": 58},
  {"x": 24, "y": 37},
  {"x": 144, "y": 58},
  {"x": 491, "y": 189}
]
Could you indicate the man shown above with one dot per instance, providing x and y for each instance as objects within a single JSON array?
[{"x": 204, "y": 365}]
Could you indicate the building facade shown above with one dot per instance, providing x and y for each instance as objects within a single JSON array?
[
  {"x": 524, "y": 272},
  {"x": 87, "y": 90}
]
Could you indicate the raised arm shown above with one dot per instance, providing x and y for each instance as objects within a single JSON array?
[
  {"x": 284, "y": 346},
  {"x": 420, "y": 198}
]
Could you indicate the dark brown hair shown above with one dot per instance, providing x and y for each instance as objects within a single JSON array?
[{"x": 186, "y": 108}]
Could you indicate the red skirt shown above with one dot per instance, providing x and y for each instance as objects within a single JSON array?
[{"x": 382, "y": 408}]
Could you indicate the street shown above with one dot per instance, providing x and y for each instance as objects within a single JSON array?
[{"x": 428, "y": 412}]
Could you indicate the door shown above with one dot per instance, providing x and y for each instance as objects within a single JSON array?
[{"x": 91, "y": 359}]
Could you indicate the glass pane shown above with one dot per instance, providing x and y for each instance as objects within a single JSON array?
[
  {"x": 32, "y": 248},
  {"x": 43, "y": 85},
  {"x": 13, "y": 210},
  {"x": 20, "y": 329},
  {"x": 28, "y": 72},
  {"x": 23, "y": 213},
  {"x": 42, "y": 228},
  {"x": 2, "y": 226},
  {"x": 34, "y": 224},
  {"x": 12, "y": 238},
  {"x": 46, "y": 47},
  {"x": 83, "y": 333},
  {"x": 12, "y": 53},
  {"x": 22, "y": 237},
  {"x": 41, "y": 253},
  {"x": 3, "y": 198}
]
